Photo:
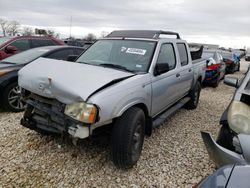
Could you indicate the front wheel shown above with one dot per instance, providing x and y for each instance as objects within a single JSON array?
[
  {"x": 12, "y": 99},
  {"x": 127, "y": 138},
  {"x": 194, "y": 97}
]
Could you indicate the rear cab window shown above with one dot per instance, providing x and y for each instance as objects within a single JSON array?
[{"x": 182, "y": 49}]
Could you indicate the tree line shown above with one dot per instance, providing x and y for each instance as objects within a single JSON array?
[{"x": 14, "y": 28}]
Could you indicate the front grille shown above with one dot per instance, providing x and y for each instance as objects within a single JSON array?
[{"x": 47, "y": 114}]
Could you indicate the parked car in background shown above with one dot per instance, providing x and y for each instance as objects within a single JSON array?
[
  {"x": 232, "y": 145},
  {"x": 10, "y": 98},
  {"x": 247, "y": 56},
  {"x": 127, "y": 84},
  {"x": 232, "y": 61},
  {"x": 230, "y": 176},
  {"x": 216, "y": 67},
  {"x": 77, "y": 42},
  {"x": 12, "y": 45}
]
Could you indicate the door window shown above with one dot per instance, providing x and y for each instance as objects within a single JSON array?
[
  {"x": 39, "y": 43},
  {"x": 61, "y": 54},
  {"x": 21, "y": 45},
  {"x": 167, "y": 55},
  {"x": 182, "y": 53}
]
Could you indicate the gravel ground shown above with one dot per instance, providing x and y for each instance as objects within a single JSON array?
[{"x": 174, "y": 156}]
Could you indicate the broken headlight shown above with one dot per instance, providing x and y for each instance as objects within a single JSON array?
[
  {"x": 81, "y": 111},
  {"x": 239, "y": 117}
]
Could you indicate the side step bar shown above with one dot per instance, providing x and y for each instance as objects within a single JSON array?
[{"x": 159, "y": 120}]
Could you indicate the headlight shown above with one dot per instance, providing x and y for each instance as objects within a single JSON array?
[
  {"x": 239, "y": 117},
  {"x": 5, "y": 71},
  {"x": 82, "y": 112}
]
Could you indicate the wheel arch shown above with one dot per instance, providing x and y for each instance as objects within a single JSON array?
[
  {"x": 6, "y": 82},
  {"x": 145, "y": 109}
]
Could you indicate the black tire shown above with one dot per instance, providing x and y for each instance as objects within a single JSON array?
[
  {"x": 195, "y": 96},
  {"x": 225, "y": 138},
  {"x": 214, "y": 85},
  {"x": 238, "y": 67},
  {"x": 127, "y": 138},
  {"x": 11, "y": 91}
]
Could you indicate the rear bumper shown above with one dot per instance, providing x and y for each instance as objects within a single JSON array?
[
  {"x": 221, "y": 156},
  {"x": 211, "y": 77}
]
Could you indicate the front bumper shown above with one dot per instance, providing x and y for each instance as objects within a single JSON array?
[
  {"x": 221, "y": 156},
  {"x": 48, "y": 115}
]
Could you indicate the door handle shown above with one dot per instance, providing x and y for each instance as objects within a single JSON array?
[
  {"x": 189, "y": 70},
  {"x": 178, "y": 75}
]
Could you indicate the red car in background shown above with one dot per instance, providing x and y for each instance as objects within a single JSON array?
[{"x": 12, "y": 45}]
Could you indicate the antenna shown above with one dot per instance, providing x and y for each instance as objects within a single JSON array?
[{"x": 70, "y": 26}]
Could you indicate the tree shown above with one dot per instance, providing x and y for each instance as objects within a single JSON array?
[
  {"x": 104, "y": 34},
  {"x": 13, "y": 27},
  {"x": 90, "y": 37},
  {"x": 52, "y": 33},
  {"x": 27, "y": 31},
  {"x": 3, "y": 25}
]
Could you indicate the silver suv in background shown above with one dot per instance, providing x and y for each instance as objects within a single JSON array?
[{"x": 128, "y": 83}]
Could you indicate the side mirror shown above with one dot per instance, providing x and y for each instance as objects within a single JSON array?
[
  {"x": 10, "y": 49},
  {"x": 72, "y": 58},
  {"x": 161, "y": 68},
  {"x": 231, "y": 81}
]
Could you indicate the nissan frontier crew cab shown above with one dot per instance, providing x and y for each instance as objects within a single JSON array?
[{"x": 128, "y": 83}]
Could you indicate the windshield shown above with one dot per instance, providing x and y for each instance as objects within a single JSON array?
[
  {"x": 131, "y": 55},
  {"x": 207, "y": 55},
  {"x": 26, "y": 56},
  {"x": 227, "y": 55},
  {"x": 3, "y": 40}
]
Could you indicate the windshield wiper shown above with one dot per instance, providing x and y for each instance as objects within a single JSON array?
[
  {"x": 5, "y": 62},
  {"x": 116, "y": 66},
  {"x": 83, "y": 62}
]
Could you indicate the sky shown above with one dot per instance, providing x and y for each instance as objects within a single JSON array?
[{"x": 221, "y": 22}]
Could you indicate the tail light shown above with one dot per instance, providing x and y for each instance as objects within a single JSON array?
[
  {"x": 213, "y": 67},
  {"x": 229, "y": 62}
]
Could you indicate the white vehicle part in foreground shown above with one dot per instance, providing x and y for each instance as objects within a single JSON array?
[{"x": 79, "y": 132}]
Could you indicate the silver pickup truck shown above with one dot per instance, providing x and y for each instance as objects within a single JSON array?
[{"x": 128, "y": 83}]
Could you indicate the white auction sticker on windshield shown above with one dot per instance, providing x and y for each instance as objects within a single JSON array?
[{"x": 136, "y": 51}]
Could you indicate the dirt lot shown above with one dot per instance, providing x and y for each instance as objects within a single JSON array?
[{"x": 174, "y": 156}]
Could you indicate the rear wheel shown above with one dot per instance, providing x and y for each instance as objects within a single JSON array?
[
  {"x": 127, "y": 138},
  {"x": 238, "y": 67},
  {"x": 195, "y": 96},
  {"x": 217, "y": 82},
  {"x": 12, "y": 98}
]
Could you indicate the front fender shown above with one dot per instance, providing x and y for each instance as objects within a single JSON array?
[{"x": 126, "y": 104}]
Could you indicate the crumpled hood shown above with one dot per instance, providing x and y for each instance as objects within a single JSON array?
[{"x": 66, "y": 81}]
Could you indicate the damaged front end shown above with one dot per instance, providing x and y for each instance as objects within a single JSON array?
[{"x": 48, "y": 116}]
